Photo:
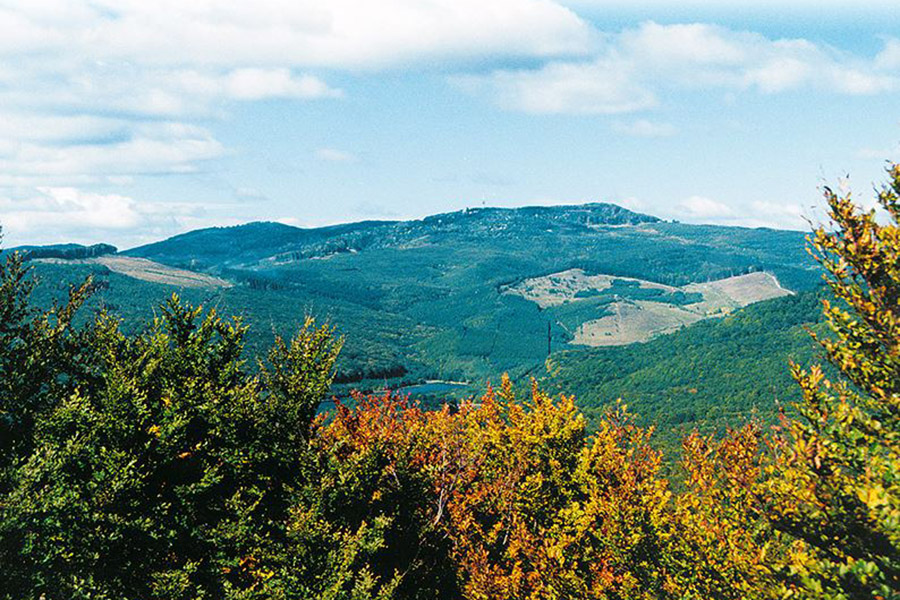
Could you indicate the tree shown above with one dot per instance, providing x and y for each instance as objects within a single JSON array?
[
  {"x": 157, "y": 465},
  {"x": 836, "y": 487},
  {"x": 42, "y": 358},
  {"x": 506, "y": 498}
]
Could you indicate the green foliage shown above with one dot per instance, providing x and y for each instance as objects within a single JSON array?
[
  {"x": 42, "y": 358},
  {"x": 839, "y": 495},
  {"x": 711, "y": 375},
  {"x": 156, "y": 465}
]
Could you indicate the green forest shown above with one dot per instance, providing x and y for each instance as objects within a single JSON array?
[
  {"x": 427, "y": 300},
  {"x": 710, "y": 375},
  {"x": 174, "y": 459}
]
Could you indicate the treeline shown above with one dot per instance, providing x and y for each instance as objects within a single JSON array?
[
  {"x": 159, "y": 464},
  {"x": 67, "y": 251}
]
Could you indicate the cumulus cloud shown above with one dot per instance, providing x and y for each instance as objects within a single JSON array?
[
  {"x": 601, "y": 87},
  {"x": 758, "y": 213},
  {"x": 302, "y": 33},
  {"x": 173, "y": 58},
  {"x": 122, "y": 150},
  {"x": 72, "y": 214},
  {"x": 104, "y": 91},
  {"x": 634, "y": 66},
  {"x": 889, "y": 57},
  {"x": 71, "y": 208}
]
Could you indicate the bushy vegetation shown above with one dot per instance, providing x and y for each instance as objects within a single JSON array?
[
  {"x": 708, "y": 376},
  {"x": 160, "y": 464}
]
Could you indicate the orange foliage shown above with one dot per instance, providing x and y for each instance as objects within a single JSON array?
[{"x": 534, "y": 507}]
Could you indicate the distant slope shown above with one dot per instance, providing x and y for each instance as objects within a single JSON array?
[
  {"x": 712, "y": 374},
  {"x": 64, "y": 251},
  {"x": 634, "y": 310},
  {"x": 147, "y": 270},
  {"x": 428, "y": 299},
  {"x": 219, "y": 247}
]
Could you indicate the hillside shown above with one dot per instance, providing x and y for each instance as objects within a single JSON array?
[
  {"x": 463, "y": 296},
  {"x": 713, "y": 374},
  {"x": 144, "y": 270}
]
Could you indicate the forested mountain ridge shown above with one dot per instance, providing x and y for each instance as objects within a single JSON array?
[
  {"x": 244, "y": 244},
  {"x": 431, "y": 299}
]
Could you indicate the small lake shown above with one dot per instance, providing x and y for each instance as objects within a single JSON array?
[
  {"x": 430, "y": 388},
  {"x": 426, "y": 388}
]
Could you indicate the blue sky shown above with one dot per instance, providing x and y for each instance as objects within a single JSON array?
[{"x": 128, "y": 121}]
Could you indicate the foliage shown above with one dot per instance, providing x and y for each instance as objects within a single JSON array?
[
  {"x": 532, "y": 507},
  {"x": 168, "y": 469},
  {"x": 710, "y": 376},
  {"x": 156, "y": 466},
  {"x": 42, "y": 358},
  {"x": 839, "y": 495},
  {"x": 723, "y": 544}
]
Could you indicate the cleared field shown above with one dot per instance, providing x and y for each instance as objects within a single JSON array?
[
  {"x": 741, "y": 290},
  {"x": 635, "y": 320},
  {"x": 147, "y": 270},
  {"x": 559, "y": 288}
]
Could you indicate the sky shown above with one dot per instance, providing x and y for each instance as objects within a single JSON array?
[{"x": 127, "y": 121}]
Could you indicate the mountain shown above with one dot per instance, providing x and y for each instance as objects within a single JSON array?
[
  {"x": 243, "y": 244},
  {"x": 465, "y": 296}
]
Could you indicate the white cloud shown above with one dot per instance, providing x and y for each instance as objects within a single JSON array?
[
  {"x": 102, "y": 91},
  {"x": 634, "y": 204},
  {"x": 645, "y": 128},
  {"x": 685, "y": 44},
  {"x": 759, "y": 213},
  {"x": 29, "y": 127},
  {"x": 784, "y": 215},
  {"x": 701, "y": 207},
  {"x": 889, "y": 57},
  {"x": 53, "y": 214},
  {"x": 254, "y": 84},
  {"x": 334, "y": 155},
  {"x": 139, "y": 148},
  {"x": 69, "y": 208},
  {"x": 635, "y": 66},
  {"x": 304, "y": 33},
  {"x": 602, "y": 87}
]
